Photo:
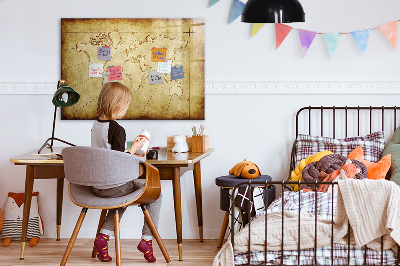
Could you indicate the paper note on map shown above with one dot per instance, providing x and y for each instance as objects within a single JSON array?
[
  {"x": 155, "y": 78},
  {"x": 96, "y": 70},
  {"x": 104, "y": 53},
  {"x": 164, "y": 67},
  {"x": 115, "y": 73},
  {"x": 158, "y": 54},
  {"x": 177, "y": 72}
]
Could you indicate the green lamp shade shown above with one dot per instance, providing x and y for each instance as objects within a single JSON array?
[{"x": 65, "y": 96}]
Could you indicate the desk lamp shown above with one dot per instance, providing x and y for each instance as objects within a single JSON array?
[
  {"x": 273, "y": 11},
  {"x": 64, "y": 96}
]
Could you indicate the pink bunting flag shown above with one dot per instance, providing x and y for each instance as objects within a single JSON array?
[
  {"x": 306, "y": 39},
  {"x": 281, "y": 31},
  {"x": 389, "y": 30}
]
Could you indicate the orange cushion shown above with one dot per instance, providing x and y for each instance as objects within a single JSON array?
[{"x": 375, "y": 170}]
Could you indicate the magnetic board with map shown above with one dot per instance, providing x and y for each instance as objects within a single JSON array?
[{"x": 88, "y": 43}]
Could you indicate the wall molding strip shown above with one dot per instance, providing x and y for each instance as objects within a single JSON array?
[
  {"x": 304, "y": 87},
  {"x": 248, "y": 87}
]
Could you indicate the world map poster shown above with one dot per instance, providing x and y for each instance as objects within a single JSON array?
[{"x": 160, "y": 60}]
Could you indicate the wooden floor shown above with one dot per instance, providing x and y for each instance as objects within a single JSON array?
[{"x": 50, "y": 252}]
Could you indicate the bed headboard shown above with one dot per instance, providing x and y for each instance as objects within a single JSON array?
[
  {"x": 344, "y": 121},
  {"x": 344, "y": 118}
]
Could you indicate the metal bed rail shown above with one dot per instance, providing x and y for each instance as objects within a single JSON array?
[
  {"x": 265, "y": 185},
  {"x": 346, "y": 109}
]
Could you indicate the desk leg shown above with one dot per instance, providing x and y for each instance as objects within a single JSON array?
[
  {"x": 60, "y": 190},
  {"x": 27, "y": 206},
  {"x": 176, "y": 182},
  {"x": 199, "y": 204}
]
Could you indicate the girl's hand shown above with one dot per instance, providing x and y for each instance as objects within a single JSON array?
[
  {"x": 143, "y": 155},
  {"x": 137, "y": 144}
]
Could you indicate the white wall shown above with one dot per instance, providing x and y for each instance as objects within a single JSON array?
[{"x": 259, "y": 127}]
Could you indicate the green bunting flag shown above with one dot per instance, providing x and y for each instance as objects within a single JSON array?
[
  {"x": 332, "y": 41},
  {"x": 213, "y": 2}
]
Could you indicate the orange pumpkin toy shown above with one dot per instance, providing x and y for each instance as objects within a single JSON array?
[{"x": 245, "y": 169}]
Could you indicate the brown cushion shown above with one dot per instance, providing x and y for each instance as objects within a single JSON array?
[{"x": 328, "y": 164}]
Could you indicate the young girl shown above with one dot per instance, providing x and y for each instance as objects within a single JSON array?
[{"x": 113, "y": 103}]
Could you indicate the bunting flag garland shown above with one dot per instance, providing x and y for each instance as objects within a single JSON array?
[
  {"x": 361, "y": 38},
  {"x": 213, "y": 2},
  {"x": 389, "y": 30},
  {"x": 281, "y": 31},
  {"x": 237, "y": 9},
  {"x": 256, "y": 28},
  {"x": 332, "y": 41},
  {"x": 306, "y": 39}
]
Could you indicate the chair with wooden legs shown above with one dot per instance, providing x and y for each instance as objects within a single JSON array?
[{"x": 85, "y": 167}]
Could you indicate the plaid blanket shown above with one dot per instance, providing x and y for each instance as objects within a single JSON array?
[
  {"x": 324, "y": 257},
  {"x": 322, "y": 204},
  {"x": 307, "y": 202}
]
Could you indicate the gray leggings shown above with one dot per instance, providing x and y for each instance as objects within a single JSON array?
[{"x": 154, "y": 208}]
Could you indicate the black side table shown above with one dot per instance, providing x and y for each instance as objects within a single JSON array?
[{"x": 226, "y": 183}]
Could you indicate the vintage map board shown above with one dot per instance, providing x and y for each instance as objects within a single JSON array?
[{"x": 131, "y": 41}]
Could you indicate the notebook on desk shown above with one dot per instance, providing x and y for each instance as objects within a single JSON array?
[{"x": 53, "y": 155}]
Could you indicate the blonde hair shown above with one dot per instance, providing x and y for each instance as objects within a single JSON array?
[{"x": 113, "y": 98}]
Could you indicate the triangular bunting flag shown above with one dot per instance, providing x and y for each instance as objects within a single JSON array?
[
  {"x": 213, "y": 2},
  {"x": 361, "y": 38},
  {"x": 332, "y": 41},
  {"x": 281, "y": 31},
  {"x": 237, "y": 9},
  {"x": 390, "y": 32},
  {"x": 306, "y": 39},
  {"x": 256, "y": 28}
]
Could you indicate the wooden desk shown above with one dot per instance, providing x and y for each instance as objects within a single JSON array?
[{"x": 168, "y": 164}]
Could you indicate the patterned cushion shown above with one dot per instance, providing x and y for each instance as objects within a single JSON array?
[{"x": 372, "y": 144}]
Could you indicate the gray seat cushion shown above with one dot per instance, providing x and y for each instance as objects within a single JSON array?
[{"x": 83, "y": 196}]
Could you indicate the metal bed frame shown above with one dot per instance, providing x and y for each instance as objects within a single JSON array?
[{"x": 283, "y": 184}]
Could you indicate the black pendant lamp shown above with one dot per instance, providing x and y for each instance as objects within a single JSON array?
[{"x": 273, "y": 11}]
